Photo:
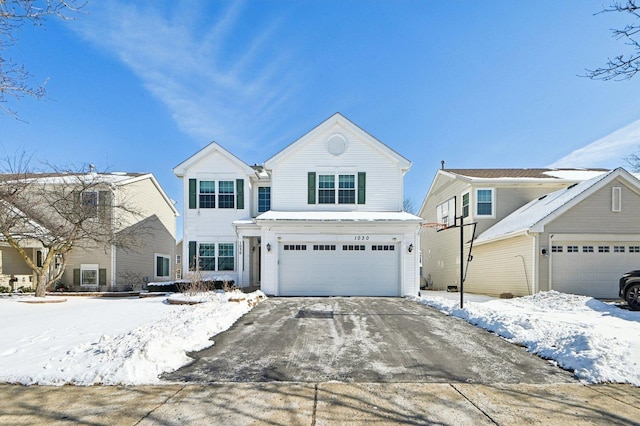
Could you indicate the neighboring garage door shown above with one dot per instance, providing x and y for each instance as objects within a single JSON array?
[
  {"x": 592, "y": 268},
  {"x": 337, "y": 269}
]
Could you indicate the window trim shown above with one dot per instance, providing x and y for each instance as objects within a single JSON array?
[
  {"x": 616, "y": 199},
  {"x": 212, "y": 195},
  {"x": 467, "y": 206},
  {"x": 214, "y": 259},
  {"x": 232, "y": 185},
  {"x": 493, "y": 203},
  {"x": 356, "y": 194}
]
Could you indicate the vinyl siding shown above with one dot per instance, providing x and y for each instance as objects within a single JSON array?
[
  {"x": 593, "y": 215},
  {"x": 384, "y": 179},
  {"x": 11, "y": 262},
  {"x": 83, "y": 255}
]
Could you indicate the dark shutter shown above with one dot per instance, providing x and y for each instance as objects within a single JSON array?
[
  {"x": 104, "y": 205},
  {"x": 311, "y": 188},
  {"x": 240, "y": 194},
  {"x": 192, "y": 255},
  {"x": 102, "y": 276},
  {"x": 76, "y": 277},
  {"x": 193, "y": 201},
  {"x": 362, "y": 187}
]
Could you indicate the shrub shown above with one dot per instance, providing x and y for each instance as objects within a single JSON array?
[{"x": 4, "y": 289}]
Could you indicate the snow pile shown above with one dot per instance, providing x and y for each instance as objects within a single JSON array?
[
  {"x": 101, "y": 341},
  {"x": 599, "y": 342}
]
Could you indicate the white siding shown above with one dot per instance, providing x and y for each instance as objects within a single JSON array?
[{"x": 383, "y": 181}]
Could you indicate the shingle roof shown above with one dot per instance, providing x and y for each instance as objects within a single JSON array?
[{"x": 516, "y": 173}]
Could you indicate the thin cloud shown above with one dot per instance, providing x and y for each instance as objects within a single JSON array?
[
  {"x": 181, "y": 62},
  {"x": 608, "y": 151}
]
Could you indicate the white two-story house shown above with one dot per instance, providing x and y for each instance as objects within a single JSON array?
[{"x": 321, "y": 217}]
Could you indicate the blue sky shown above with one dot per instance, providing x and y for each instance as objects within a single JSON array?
[{"x": 141, "y": 86}]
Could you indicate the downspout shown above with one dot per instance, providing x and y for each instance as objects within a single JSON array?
[
  {"x": 113, "y": 247},
  {"x": 535, "y": 284}
]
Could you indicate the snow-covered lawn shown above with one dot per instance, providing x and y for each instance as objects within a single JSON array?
[
  {"x": 598, "y": 341},
  {"x": 88, "y": 341}
]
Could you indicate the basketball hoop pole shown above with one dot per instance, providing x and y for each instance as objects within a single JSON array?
[{"x": 461, "y": 262}]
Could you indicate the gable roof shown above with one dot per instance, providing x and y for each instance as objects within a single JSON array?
[
  {"x": 534, "y": 215},
  {"x": 349, "y": 125},
  {"x": 181, "y": 168},
  {"x": 513, "y": 176}
]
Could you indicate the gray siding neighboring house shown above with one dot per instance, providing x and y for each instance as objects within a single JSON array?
[
  {"x": 578, "y": 238},
  {"x": 112, "y": 268}
]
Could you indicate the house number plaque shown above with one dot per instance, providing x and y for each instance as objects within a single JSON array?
[{"x": 361, "y": 238}]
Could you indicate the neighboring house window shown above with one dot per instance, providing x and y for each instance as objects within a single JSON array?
[
  {"x": 90, "y": 203},
  {"x": 346, "y": 189},
  {"x": 446, "y": 212},
  {"x": 226, "y": 199},
  {"x": 178, "y": 259},
  {"x": 162, "y": 266},
  {"x": 465, "y": 204},
  {"x": 207, "y": 256},
  {"x": 264, "y": 199},
  {"x": 484, "y": 202},
  {"x": 225, "y": 257},
  {"x": 616, "y": 199},
  {"x": 207, "y": 194},
  {"x": 326, "y": 189},
  {"x": 89, "y": 275}
]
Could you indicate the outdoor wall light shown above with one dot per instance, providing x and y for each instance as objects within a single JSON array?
[
  {"x": 410, "y": 248},
  {"x": 268, "y": 247}
]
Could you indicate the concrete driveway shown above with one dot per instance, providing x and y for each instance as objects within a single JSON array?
[{"x": 361, "y": 339}]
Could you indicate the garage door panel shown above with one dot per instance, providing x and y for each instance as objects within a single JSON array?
[
  {"x": 339, "y": 269},
  {"x": 592, "y": 268}
]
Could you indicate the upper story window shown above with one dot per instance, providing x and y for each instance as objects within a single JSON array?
[
  {"x": 351, "y": 188},
  {"x": 446, "y": 212},
  {"x": 230, "y": 194},
  {"x": 90, "y": 203},
  {"x": 207, "y": 194},
  {"x": 326, "y": 189},
  {"x": 485, "y": 202},
  {"x": 465, "y": 204},
  {"x": 264, "y": 199},
  {"x": 346, "y": 189},
  {"x": 226, "y": 196}
]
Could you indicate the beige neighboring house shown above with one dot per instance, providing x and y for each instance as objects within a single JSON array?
[
  {"x": 569, "y": 230},
  {"x": 105, "y": 269}
]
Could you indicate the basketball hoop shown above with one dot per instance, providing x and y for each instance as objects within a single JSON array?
[{"x": 435, "y": 225}]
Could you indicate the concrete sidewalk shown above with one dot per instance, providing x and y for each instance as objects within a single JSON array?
[{"x": 322, "y": 404}]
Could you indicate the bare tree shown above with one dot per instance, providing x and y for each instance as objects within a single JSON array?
[
  {"x": 14, "y": 78},
  {"x": 623, "y": 66},
  {"x": 57, "y": 211},
  {"x": 409, "y": 206},
  {"x": 634, "y": 162}
]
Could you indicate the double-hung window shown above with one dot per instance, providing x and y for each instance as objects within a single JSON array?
[
  {"x": 89, "y": 275},
  {"x": 90, "y": 203},
  {"x": 326, "y": 189},
  {"x": 264, "y": 199},
  {"x": 207, "y": 256},
  {"x": 484, "y": 202},
  {"x": 346, "y": 189},
  {"x": 225, "y": 257},
  {"x": 465, "y": 204},
  {"x": 226, "y": 194},
  {"x": 207, "y": 194}
]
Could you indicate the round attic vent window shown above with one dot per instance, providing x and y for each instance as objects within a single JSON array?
[{"x": 336, "y": 144}]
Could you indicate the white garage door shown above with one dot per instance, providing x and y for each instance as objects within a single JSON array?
[
  {"x": 337, "y": 269},
  {"x": 592, "y": 268}
]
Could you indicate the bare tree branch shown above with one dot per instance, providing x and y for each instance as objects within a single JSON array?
[
  {"x": 14, "y": 78},
  {"x": 623, "y": 66}
]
